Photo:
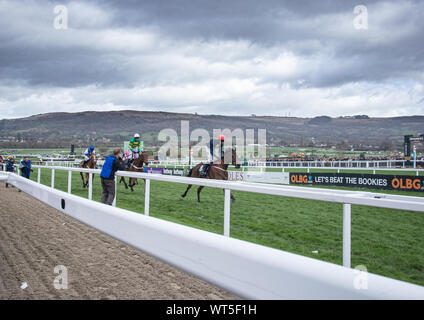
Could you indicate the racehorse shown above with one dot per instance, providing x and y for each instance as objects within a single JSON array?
[
  {"x": 91, "y": 164},
  {"x": 136, "y": 166},
  {"x": 216, "y": 171}
]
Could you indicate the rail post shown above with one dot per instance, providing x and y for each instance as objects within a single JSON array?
[
  {"x": 69, "y": 181},
  {"x": 52, "y": 181},
  {"x": 90, "y": 186},
  {"x": 147, "y": 197},
  {"x": 39, "y": 175},
  {"x": 346, "y": 234},
  {"x": 227, "y": 198},
  {"x": 116, "y": 191}
]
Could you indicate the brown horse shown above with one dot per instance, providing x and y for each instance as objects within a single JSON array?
[
  {"x": 91, "y": 164},
  {"x": 216, "y": 171},
  {"x": 137, "y": 166}
]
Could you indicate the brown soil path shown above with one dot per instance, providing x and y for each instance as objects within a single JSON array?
[{"x": 35, "y": 238}]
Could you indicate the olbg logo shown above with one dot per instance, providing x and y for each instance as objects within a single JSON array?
[
  {"x": 295, "y": 178},
  {"x": 406, "y": 183}
]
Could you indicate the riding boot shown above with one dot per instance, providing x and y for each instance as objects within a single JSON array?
[
  {"x": 130, "y": 162},
  {"x": 208, "y": 167},
  {"x": 204, "y": 171}
]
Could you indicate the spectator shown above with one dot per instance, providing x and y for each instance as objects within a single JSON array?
[
  {"x": 112, "y": 164},
  {"x": 10, "y": 164},
  {"x": 26, "y": 167}
]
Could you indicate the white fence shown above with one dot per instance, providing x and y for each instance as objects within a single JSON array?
[
  {"x": 304, "y": 163},
  {"x": 246, "y": 269},
  {"x": 345, "y": 197},
  {"x": 339, "y": 169},
  {"x": 331, "y": 163}
]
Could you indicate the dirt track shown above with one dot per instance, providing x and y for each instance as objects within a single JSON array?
[{"x": 35, "y": 238}]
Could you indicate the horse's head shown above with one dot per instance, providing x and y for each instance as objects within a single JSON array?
[
  {"x": 145, "y": 157},
  {"x": 142, "y": 159},
  {"x": 234, "y": 158},
  {"x": 233, "y": 155}
]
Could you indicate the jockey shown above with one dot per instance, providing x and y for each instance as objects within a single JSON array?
[
  {"x": 87, "y": 155},
  {"x": 216, "y": 150},
  {"x": 215, "y": 154},
  {"x": 134, "y": 146}
]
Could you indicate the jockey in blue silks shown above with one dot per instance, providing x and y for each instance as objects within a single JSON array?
[{"x": 87, "y": 155}]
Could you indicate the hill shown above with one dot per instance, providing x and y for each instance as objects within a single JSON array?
[{"x": 108, "y": 128}]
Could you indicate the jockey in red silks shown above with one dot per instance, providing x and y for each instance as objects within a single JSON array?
[{"x": 215, "y": 154}]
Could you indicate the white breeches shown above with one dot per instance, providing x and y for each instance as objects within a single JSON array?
[
  {"x": 216, "y": 158},
  {"x": 133, "y": 155}
]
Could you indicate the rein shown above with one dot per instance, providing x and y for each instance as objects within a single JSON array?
[
  {"x": 137, "y": 168},
  {"x": 220, "y": 168}
]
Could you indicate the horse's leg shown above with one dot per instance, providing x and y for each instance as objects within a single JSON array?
[
  {"x": 134, "y": 183},
  {"x": 198, "y": 192},
  {"x": 185, "y": 193},
  {"x": 232, "y": 197},
  {"x": 83, "y": 182},
  {"x": 125, "y": 183},
  {"x": 131, "y": 184},
  {"x": 86, "y": 180}
]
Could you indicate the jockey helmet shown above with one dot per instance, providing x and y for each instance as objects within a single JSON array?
[
  {"x": 136, "y": 135},
  {"x": 221, "y": 137},
  {"x": 91, "y": 148}
]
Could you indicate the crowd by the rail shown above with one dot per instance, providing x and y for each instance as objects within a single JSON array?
[
  {"x": 329, "y": 159},
  {"x": 12, "y": 166}
]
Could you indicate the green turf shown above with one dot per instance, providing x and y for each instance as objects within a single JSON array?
[{"x": 388, "y": 242}]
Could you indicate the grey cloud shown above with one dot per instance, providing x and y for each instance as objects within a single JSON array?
[{"x": 201, "y": 41}]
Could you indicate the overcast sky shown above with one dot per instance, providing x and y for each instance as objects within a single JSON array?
[{"x": 231, "y": 57}]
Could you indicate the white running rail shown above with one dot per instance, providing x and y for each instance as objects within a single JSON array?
[
  {"x": 246, "y": 269},
  {"x": 345, "y": 197}
]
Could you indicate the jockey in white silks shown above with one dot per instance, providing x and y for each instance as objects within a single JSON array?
[{"x": 87, "y": 155}]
